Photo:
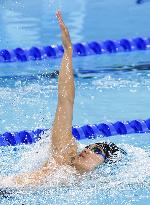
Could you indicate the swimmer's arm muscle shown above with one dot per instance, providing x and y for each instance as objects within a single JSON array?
[
  {"x": 64, "y": 144},
  {"x": 26, "y": 179}
]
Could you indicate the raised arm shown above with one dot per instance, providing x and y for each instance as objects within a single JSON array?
[{"x": 63, "y": 143}]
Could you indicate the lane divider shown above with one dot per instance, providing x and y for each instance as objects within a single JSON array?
[
  {"x": 142, "y": 1},
  {"x": 79, "y": 49},
  {"x": 79, "y": 132}
]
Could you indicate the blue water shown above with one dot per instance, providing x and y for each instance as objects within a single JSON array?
[{"x": 118, "y": 89}]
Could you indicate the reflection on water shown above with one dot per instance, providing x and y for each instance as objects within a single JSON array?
[
  {"x": 33, "y": 23},
  {"x": 109, "y": 96},
  {"x": 28, "y": 23}
]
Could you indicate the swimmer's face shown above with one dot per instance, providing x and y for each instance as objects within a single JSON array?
[{"x": 88, "y": 159}]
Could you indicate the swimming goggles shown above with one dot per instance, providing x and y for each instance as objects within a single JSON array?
[{"x": 96, "y": 150}]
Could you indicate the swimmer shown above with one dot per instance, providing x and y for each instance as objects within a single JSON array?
[{"x": 63, "y": 144}]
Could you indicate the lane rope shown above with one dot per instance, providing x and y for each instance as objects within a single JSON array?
[
  {"x": 88, "y": 131},
  {"x": 142, "y": 1},
  {"x": 79, "y": 49}
]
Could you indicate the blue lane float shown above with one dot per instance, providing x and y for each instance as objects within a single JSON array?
[
  {"x": 139, "y": 1},
  {"x": 142, "y": 1},
  {"x": 79, "y": 49},
  {"x": 84, "y": 132}
]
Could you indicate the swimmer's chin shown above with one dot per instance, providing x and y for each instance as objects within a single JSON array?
[{"x": 82, "y": 165}]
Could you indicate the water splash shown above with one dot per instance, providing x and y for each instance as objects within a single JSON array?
[{"x": 124, "y": 180}]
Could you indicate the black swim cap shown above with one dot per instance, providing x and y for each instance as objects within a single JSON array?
[{"x": 111, "y": 151}]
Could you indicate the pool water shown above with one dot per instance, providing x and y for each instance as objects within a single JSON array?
[{"x": 108, "y": 88}]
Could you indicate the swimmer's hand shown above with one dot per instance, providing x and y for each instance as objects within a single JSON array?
[{"x": 64, "y": 32}]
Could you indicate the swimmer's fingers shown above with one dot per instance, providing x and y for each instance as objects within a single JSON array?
[
  {"x": 65, "y": 33},
  {"x": 60, "y": 20}
]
